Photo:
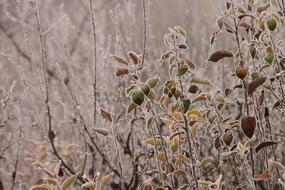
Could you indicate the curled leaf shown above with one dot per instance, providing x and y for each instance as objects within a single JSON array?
[
  {"x": 180, "y": 172},
  {"x": 154, "y": 141},
  {"x": 254, "y": 84},
  {"x": 57, "y": 167},
  {"x": 204, "y": 162},
  {"x": 262, "y": 7},
  {"x": 278, "y": 165},
  {"x": 106, "y": 115},
  {"x": 194, "y": 130},
  {"x": 165, "y": 102},
  {"x": 195, "y": 114},
  {"x": 119, "y": 59},
  {"x": 68, "y": 182},
  {"x": 200, "y": 81},
  {"x": 101, "y": 131},
  {"x": 131, "y": 107},
  {"x": 182, "y": 46},
  {"x": 220, "y": 21},
  {"x": 180, "y": 31},
  {"x": 265, "y": 144},
  {"x": 191, "y": 65},
  {"x": 161, "y": 156},
  {"x": 265, "y": 175},
  {"x": 218, "y": 55},
  {"x": 105, "y": 180},
  {"x": 121, "y": 71},
  {"x": 184, "y": 159},
  {"x": 41, "y": 187},
  {"x": 134, "y": 57},
  {"x": 152, "y": 82},
  {"x": 199, "y": 99},
  {"x": 89, "y": 185}
]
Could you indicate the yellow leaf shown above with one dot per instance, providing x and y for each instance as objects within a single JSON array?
[
  {"x": 195, "y": 114},
  {"x": 153, "y": 142},
  {"x": 180, "y": 172},
  {"x": 183, "y": 158},
  {"x": 52, "y": 181},
  {"x": 105, "y": 180},
  {"x": 200, "y": 81},
  {"x": 174, "y": 144},
  {"x": 68, "y": 182},
  {"x": 161, "y": 156},
  {"x": 194, "y": 130},
  {"x": 178, "y": 116},
  {"x": 41, "y": 187},
  {"x": 57, "y": 167},
  {"x": 89, "y": 185},
  {"x": 164, "y": 102}
]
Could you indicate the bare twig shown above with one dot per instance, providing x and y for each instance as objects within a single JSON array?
[
  {"x": 95, "y": 62},
  {"x": 144, "y": 31},
  {"x": 14, "y": 173},
  {"x": 27, "y": 41}
]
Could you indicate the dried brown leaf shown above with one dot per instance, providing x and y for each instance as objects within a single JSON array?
[
  {"x": 134, "y": 57},
  {"x": 218, "y": 55},
  {"x": 106, "y": 115},
  {"x": 265, "y": 175},
  {"x": 121, "y": 71},
  {"x": 265, "y": 144},
  {"x": 248, "y": 125},
  {"x": 254, "y": 84},
  {"x": 101, "y": 131},
  {"x": 119, "y": 59},
  {"x": 262, "y": 7}
]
